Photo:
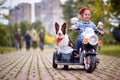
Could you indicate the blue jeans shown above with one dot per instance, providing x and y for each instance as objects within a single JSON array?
[{"x": 79, "y": 43}]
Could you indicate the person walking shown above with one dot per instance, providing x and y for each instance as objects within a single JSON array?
[
  {"x": 18, "y": 38},
  {"x": 34, "y": 39},
  {"x": 42, "y": 36},
  {"x": 27, "y": 40}
]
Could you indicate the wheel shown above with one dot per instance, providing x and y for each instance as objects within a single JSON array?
[
  {"x": 65, "y": 67},
  {"x": 97, "y": 61},
  {"x": 54, "y": 64},
  {"x": 90, "y": 63}
]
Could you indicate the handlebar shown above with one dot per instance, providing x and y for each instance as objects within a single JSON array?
[
  {"x": 100, "y": 32},
  {"x": 75, "y": 29}
]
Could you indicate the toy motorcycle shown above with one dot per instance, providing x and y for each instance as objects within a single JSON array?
[{"x": 87, "y": 53}]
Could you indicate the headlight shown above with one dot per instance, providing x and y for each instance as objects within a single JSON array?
[{"x": 93, "y": 40}]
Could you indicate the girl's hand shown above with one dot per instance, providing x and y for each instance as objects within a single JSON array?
[
  {"x": 101, "y": 33},
  {"x": 73, "y": 27}
]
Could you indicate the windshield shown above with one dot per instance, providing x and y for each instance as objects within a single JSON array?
[{"x": 88, "y": 31}]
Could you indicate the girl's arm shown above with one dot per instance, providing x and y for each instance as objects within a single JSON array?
[
  {"x": 73, "y": 27},
  {"x": 99, "y": 32}
]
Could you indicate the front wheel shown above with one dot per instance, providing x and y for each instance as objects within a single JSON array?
[{"x": 90, "y": 63}]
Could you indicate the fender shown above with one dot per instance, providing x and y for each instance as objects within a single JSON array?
[{"x": 90, "y": 53}]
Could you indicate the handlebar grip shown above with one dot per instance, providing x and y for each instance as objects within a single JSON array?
[
  {"x": 78, "y": 29},
  {"x": 75, "y": 29}
]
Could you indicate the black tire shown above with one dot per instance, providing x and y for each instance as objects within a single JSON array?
[
  {"x": 90, "y": 67},
  {"x": 97, "y": 61},
  {"x": 65, "y": 67},
  {"x": 54, "y": 64}
]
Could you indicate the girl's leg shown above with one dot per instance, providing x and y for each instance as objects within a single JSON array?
[
  {"x": 79, "y": 43},
  {"x": 17, "y": 45}
]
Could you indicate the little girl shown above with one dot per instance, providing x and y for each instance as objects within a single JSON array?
[{"x": 85, "y": 22}]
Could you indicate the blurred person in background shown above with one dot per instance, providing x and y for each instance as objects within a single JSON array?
[
  {"x": 27, "y": 40},
  {"x": 42, "y": 36},
  {"x": 18, "y": 38},
  {"x": 34, "y": 39}
]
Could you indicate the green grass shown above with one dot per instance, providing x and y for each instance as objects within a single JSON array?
[
  {"x": 6, "y": 49},
  {"x": 111, "y": 50}
]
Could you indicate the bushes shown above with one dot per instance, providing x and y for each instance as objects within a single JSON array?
[
  {"x": 50, "y": 39},
  {"x": 6, "y": 49},
  {"x": 3, "y": 36},
  {"x": 111, "y": 50}
]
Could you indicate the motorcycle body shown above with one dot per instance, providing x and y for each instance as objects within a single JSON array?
[
  {"x": 87, "y": 53},
  {"x": 88, "y": 50}
]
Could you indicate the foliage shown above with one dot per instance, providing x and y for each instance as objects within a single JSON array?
[
  {"x": 6, "y": 49},
  {"x": 112, "y": 50},
  {"x": 37, "y": 26},
  {"x": 69, "y": 11},
  {"x": 3, "y": 35},
  {"x": 111, "y": 39},
  {"x": 73, "y": 35},
  {"x": 6, "y": 16},
  {"x": 12, "y": 29},
  {"x": 115, "y": 7},
  {"x": 50, "y": 39},
  {"x": 24, "y": 27}
]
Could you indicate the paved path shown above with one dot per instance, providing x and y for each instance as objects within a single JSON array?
[{"x": 37, "y": 65}]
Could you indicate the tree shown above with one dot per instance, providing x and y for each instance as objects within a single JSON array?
[
  {"x": 38, "y": 25},
  {"x": 24, "y": 26},
  {"x": 3, "y": 36},
  {"x": 115, "y": 7},
  {"x": 69, "y": 11}
]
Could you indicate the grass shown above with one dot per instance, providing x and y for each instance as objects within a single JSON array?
[
  {"x": 6, "y": 49},
  {"x": 111, "y": 50}
]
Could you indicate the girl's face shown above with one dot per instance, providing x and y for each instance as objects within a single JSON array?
[{"x": 86, "y": 16}]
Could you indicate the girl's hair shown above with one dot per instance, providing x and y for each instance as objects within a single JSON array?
[{"x": 82, "y": 10}]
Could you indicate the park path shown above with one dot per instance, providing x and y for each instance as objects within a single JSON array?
[{"x": 37, "y": 65}]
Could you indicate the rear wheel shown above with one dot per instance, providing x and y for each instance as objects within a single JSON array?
[
  {"x": 65, "y": 67},
  {"x": 90, "y": 63},
  {"x": 54, "y": 64}
]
